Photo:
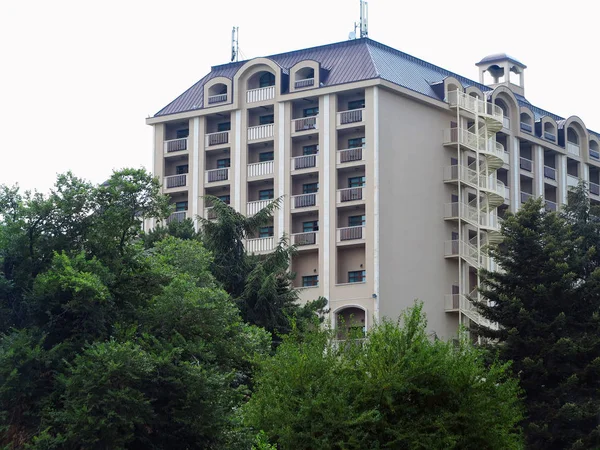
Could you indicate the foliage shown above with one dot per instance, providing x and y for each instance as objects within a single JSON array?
[
  {"x": 397, "y": 389},
  {"x": 547, "y": 303}
]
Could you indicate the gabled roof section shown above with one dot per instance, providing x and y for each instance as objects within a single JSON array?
[{"x": 500, "y": 57}]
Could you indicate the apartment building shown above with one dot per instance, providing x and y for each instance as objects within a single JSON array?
[{"x": 395, "y": 173}]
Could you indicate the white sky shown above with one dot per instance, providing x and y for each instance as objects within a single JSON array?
[{"x": 78, "y": 77}]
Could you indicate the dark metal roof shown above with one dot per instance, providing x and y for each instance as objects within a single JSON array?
[{"x": 500, "y": 57}]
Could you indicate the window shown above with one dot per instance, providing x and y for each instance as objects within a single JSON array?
[
  {"x": 266, "y": 119},
  {"x": 308, "y": 227},
  {"x": 266, "y": 156},
  {"x": 264, "y": 232},
  {"x": 310, "y": 280},
  {"x": 224, "y": 126},
  {"x": 354, "y": 182},
  {"x": 356, "y": 221},
  {"x": 356, "y": 142},
  {"x": 357, "y": 276},
  {"x": 265, "y": 194},
  {"x": 181, "y": 206},
  {"x": 309, "y": 112},
  {"x": 310, "y": 188},
  {"x": 310, "y": 150},
  {"x": 266, "y": 79},
  {"x": 356, "y": 104},
  {"x": 180, "y": 170},
  {"x": 183, "y": 133},
  {"x": 225, "y": 198},
  {"x": 223, "y": 163}
]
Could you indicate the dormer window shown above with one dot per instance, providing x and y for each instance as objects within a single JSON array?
[
  {"x": 217, "y": 93},
  {"x": 549, "y": 132},
  {"x": 594, "y": 150},
  {"x": 526, "y": 123},
  {"x": 305, "y": 78},
  {"x": 266, "y": 79},
  {"x": 572, "y": 141}
]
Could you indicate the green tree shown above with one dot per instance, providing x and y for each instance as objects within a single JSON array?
[
  {"x": 547, "y": 303},
  {"x": 396, "y": 389}
]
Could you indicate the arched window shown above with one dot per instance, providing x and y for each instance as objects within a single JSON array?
[
  {"x": 266, "y": 79},
  {"x": 217, "y": 93},
  {"x": 526, "y": 122},
  {"x": 350, "y": 322},
  {"x": 549, "y": 131},
  {"x": 594, "y": 150}
]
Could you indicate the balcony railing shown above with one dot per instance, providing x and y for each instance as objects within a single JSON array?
[
  {"x": 176, "y": 145},
  {"x": 452, "y": 301},
  {"x": 467, "y": 251},
  {"x": 525, "y": 196},
  {"x": 219, "y": 138},
  {"x": 304, "y": 123},
  {"x": 572, "y": 180},
  {"x": 219, "y": 98},
  {"x": 254, "y": 207},
  {"x": 301, "y": 239},
  {"x": 526, "y": 127},
  {"x": 526, "y": 164},
  {"x": 550, "y": 172},
  {"x": 594, "y": 188},
  {"x": 260, "y": 169},
  {"x": 594, "y": 154},
  {"x": 349, "y": 155},
  {"x": 304, "y": 162},
  {"x": 549, "y": 136},
  {"x": 350, "y": 194},
  {"x": 550, "y": 205},
  {"x": 177, "y": 216},
  {"x": 175, "y": 181},
  {"x": 474, "y": 142},
  {"x": 261, "y": 132},
  {"x": 461, "y": 173},
  {"x": 351, "y": 116},
  {"x": 299, "y": 84},
  {"x": 506, "y": 122},
  {"x": 260, "y": 245},
  {"x": 474, "y": 104},
  {"x": 260, "y": 94},
  {"x": 304, "y": 201},
  {"x": 573, "y": 149},
  {"x": 215, "y": 175},
  {"x": 350, "y": 233},
  {"x": 462, "y": 211}
]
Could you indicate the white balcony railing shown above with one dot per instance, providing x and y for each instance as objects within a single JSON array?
[
  {"x": 304, "y": 201},
  {"x": 219, "y": 98},
  {"x": 462, "y": 211},
  {"x": 302, "y": 239},
  {"x": 526, "y": 164},
  {"x": 219, "y": 138},
  {"x": 254, "y": 207},
  {"x": 475, "y": 105},
  {"x": 260, "y": 169},
  {"x": 573, "y": 149},
  {"x": 461, "y": 173},
  {"x": 351, "y": 233},
  {"x": 260, "y": 94},
  {"x": 261, "y": 132},
  {"x": 350, "y": 194},
  {"x": 260, "y": 245},
  {"x": 550, "y": 173},
  {"x": 176, "y": 145},
  {"x": 572, "y": 181},
  {"x": 305, "y": 123},
  {"x": 307, "y": 82},
  {"x": 350, "y": 155},
  {"x": 304, "y": 162},
  {"x": 594, "y": 188},
  {"x": 506, "y": 122},
  {"x": 215, "y": 175},
  {"x": 175, "y": 181},
  {"x": 177, "y": 216},
  {"x": 466, "y": 251},
  {"x": 351, "y": 116}
]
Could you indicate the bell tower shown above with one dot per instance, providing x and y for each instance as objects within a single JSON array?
[{"x": 502, "y": 70}]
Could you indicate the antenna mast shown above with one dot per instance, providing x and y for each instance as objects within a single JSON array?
[
  {"x": 235, "y": 36},
  {"x": 364, "y": 19}
]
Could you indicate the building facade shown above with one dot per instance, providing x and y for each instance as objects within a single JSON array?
[{"x": 394, "y": 173}]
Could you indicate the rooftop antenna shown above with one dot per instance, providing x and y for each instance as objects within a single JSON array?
[
  {"x": 235, "y": 36},
  {"x": 363, "y": 25}
]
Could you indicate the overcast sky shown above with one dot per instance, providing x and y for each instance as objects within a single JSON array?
[{"x": 79, "y": 77}]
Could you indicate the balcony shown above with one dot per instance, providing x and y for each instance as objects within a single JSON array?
[
  {"x": 594, "y": 188},
  {"x": 304, "y": 201},
  {"x": 526, "y": 127},
  {"x": 572, "y": 180},
  {"x": 550, "y": 173},
  {"x": 594, "y": 154},
  {"x": 525, "y": 196},
  {"x": 260, "y": 169},
  {"x": 219, "y": 138},
  {"x": 550, "y": 205},
  {"x": 351, "y": 116},
  {"x": 526, "y": 164},
  {"x": 212, "y": 176},
  {"x": 452, "y": 302},
  {"x": 506, "y": 122},
  {"x": 304, "y": 162},
  {"x": 219, "y": 98},
  {"x": 350, "y": 194},
  {"x": 304, "y": 124},
  {"x": 573, "y": 149},
  {"x": 350, "y": 155},
  {"x": 304, "y": 239},
  {"x": 176, "y": 145},
  {"x": 260, "y": 245},
  {"x": 177, "y": 216},
  {"x": 307, "y": 82},
  {"x": 254, "y": 207},
  {"x": 462, "y": 173},
  {"x": 460, "y": 210},
  {"x": 475, "y": 105},
  {"x": 261, "y": 132},
  {"x": 351, "y": 233},
  {"x": 491, "y": 148},
  {"x": 549, "y": 136},
  {"x": 175, "y": 181},
  {"x": 260, "y": 94},
  {"x": 466, "y": 251}
]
